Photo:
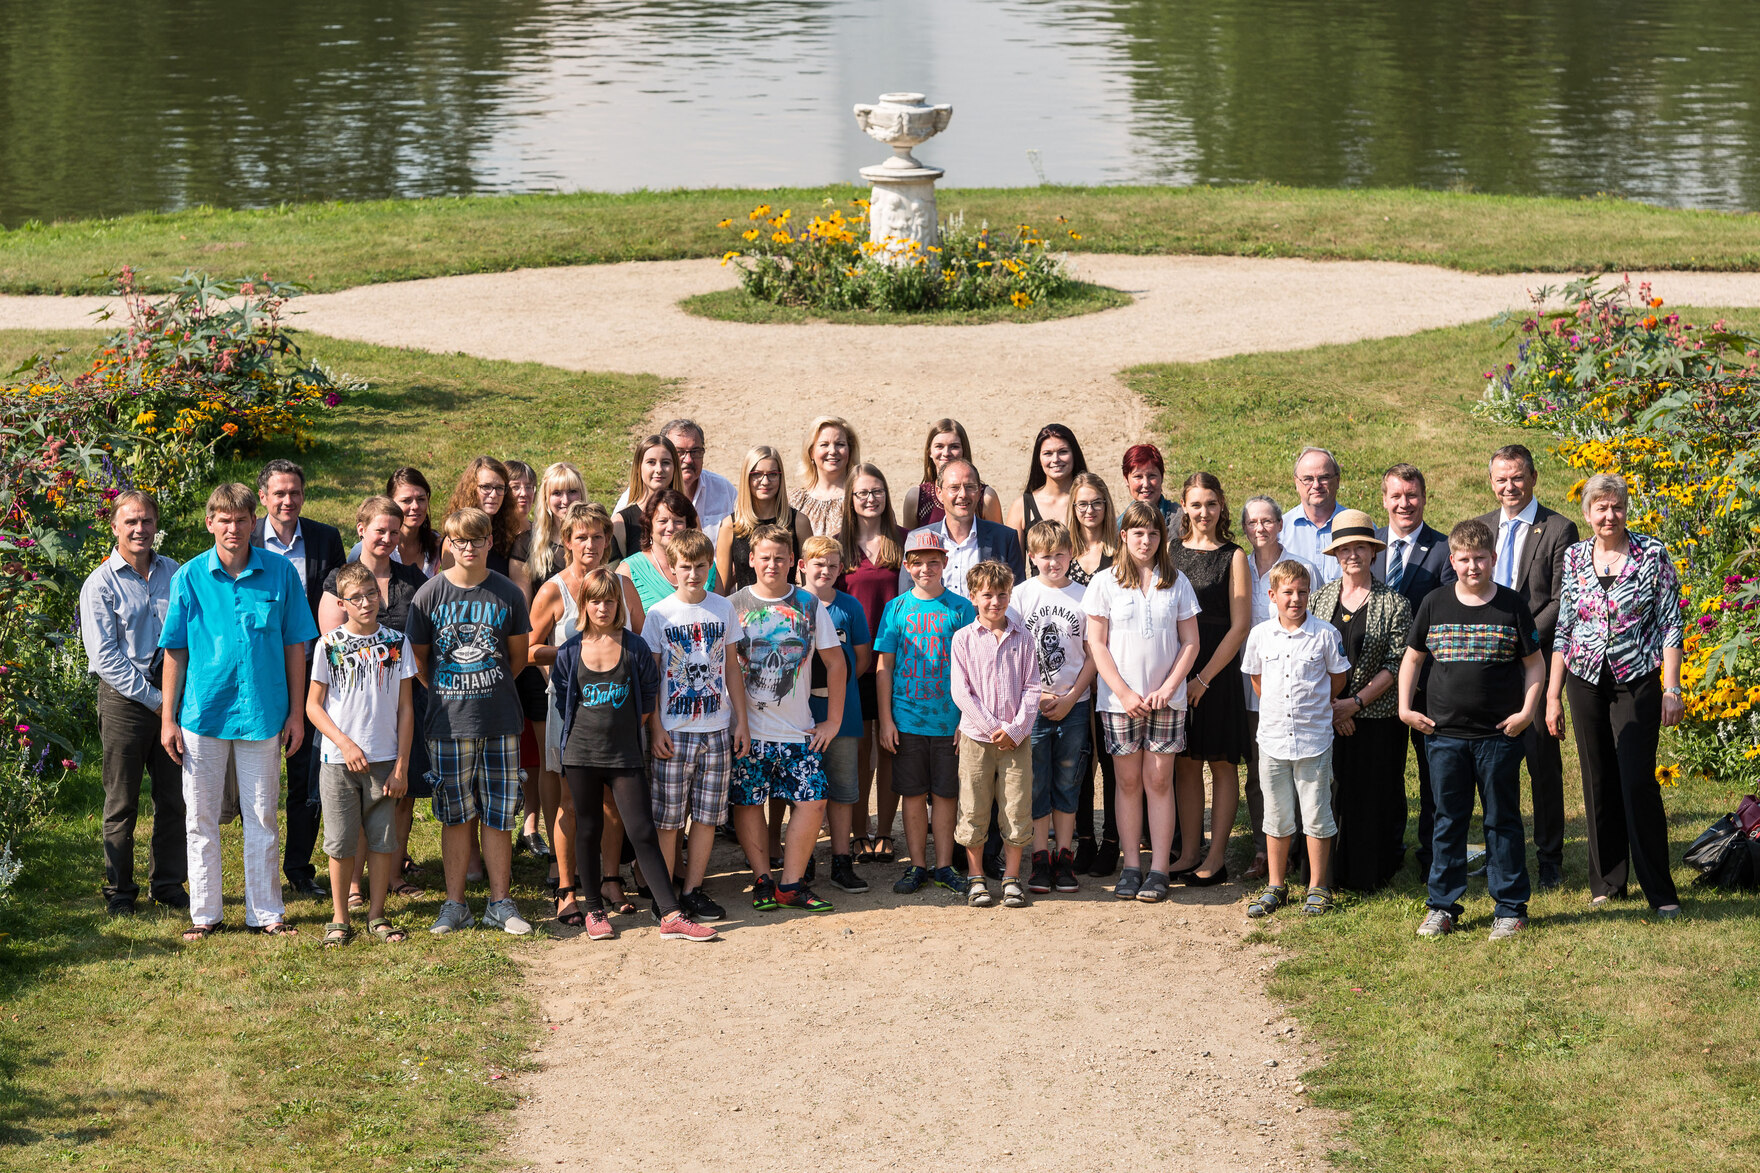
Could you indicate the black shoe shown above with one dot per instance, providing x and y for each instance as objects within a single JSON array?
[
  {"x": 1063, "y": 872},
  {"x": 1039, "y": 881},
  {"x": 307, "y": 886},
  {"x": 699, "y": 907},
  {"x": 1550, "y": 878},
  {"x": 1194, "y": 880},
  {"x": 1105, "y": 858},
  {"x": 1085, "y": 853},
  {"x": 993, "y": 866},
  {"x": 960, "y": 863},
  {"x": 764, "y": 895},
  {"x": 172, "y": 898},
  {"x": 843, "y": 874},
  {"x": 812, "y": 872},
  {"x": 534, "y": 843},
  {"x": 120, "y": 906}
]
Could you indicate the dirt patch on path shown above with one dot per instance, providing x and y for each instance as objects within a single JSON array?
[{"x": 915, "y": 1033}]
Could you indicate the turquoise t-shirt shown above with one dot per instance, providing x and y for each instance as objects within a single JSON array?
[
  {"x": 918, "y": 633},
  {"x": 237, "y": 631},
  {"x": 852, "y": 632}
]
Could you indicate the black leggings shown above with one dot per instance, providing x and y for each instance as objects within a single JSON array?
[{"x": 630, "y": 790}]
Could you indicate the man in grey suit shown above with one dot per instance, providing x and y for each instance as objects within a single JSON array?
[
  {"x": 1414, "y": 563},
  {"x": 1531, "y": 541}
]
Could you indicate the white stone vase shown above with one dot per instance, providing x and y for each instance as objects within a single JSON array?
[{"x": 901, "y": 207}]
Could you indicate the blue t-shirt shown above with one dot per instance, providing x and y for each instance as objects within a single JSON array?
[
  {"x": 237, "y": 631},
  {"x": 918, "y": 633},
  {"x": 852, "y": 632}
]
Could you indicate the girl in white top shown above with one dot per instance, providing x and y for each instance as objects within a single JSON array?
[
  {"x": 830, "y": 452},
  {"x": 585, "y": 531},
  {"x": 1143, "y": 635}
]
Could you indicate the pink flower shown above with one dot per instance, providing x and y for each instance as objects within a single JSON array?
[
  {"x": 68, "y": 763},
  {"x": 332, "y": 399},
  {"x": 21, "y": 728}
]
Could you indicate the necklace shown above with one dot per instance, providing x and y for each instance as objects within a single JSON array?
[{"x": 1618, "y": 560}]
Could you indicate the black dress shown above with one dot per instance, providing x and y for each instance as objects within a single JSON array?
[
  {"x": 1216, "y": 727},
  {"x": 1369, "y": 788},
  {"x": 740, "y": 552}
]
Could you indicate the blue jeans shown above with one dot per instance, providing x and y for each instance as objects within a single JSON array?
[
  {"x": 1060, "y": 751},
  {"x": 1491, "y": 767}
]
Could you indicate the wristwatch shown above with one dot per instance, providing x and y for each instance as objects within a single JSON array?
[
  {"x": 1672, "y": 690},
  {"x": 1360, "y": 704}
]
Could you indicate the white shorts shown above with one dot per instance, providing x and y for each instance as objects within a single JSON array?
[{"x": 1301, "y": 786}]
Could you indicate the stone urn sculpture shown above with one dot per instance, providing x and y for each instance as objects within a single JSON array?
[{"x": 901, "y": 208}]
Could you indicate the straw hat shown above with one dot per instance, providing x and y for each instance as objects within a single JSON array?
[{"x": 1352, "y": 525}]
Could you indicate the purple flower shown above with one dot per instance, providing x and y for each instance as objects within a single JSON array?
[
  {"x": 1707, "y": 622},
  {"x": 332, "y": 399}
]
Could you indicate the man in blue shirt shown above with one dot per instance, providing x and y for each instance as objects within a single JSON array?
[
  {"x": 1307, "y": 529},
  {"x": 234, "y": 637}
]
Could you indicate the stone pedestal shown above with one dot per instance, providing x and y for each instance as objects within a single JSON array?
[{"x": 901, "y": 206}]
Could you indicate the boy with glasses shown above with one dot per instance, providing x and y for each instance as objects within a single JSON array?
[{"x": 468, "y": 628}]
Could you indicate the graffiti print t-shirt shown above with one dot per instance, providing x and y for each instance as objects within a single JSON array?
[
  {"x": 1476, "y": 656},
  {"x": 363, "y": 676},
  {"x": 470, "y": 690},
  {"x": 918, "y": 634},
  {"x": 1059, "y": 626},
  {"x": 691, "y": 640},
  {"x": 781, "y": 637}
]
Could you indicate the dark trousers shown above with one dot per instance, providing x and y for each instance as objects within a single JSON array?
[
  {"x": 1545, "y": 760},
  {"x": 300, "y": 838},
  {"x": 1617, "y": 726},
  {"x": 1426, "y": 806},
  {"x": 1490, "y": 766},
  {"x": 129, "y": 733}
]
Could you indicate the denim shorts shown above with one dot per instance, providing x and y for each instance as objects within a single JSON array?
[
  {"x": 841, "y": 757},
  {"x": 477, "y": 778},
  {"x": 778, "y": 769},
  {"x": 1060, "y": 757}
]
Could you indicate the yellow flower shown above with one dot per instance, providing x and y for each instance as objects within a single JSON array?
[
  {"x": 759, "y": 212},
  {"x": 750, "y": 234},
  {"x": 146, "y": 417},
  {"x": 1075, "y": 236},
  {"x": 1021, "y": 300},
  {"x": 725, "y": 224},
  {"x": 781, "y": 237},
  {"x": 1668, "y": 775},
  {"x": 726, "y": 257}
]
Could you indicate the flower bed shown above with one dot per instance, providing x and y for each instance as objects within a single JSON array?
[
  {"x": 828, "y": 264},
  {"x": 1674, "y": 408},
  {"x": 209, "y": 371}
]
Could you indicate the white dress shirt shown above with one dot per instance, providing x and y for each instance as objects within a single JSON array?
[
  {"x": 1294, "y": 670},
  {"x": 1523, "y": 522},
  {"x": 961, "y": 557}
]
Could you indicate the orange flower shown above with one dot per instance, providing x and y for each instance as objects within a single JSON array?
[{"x": 231, "y": 429}]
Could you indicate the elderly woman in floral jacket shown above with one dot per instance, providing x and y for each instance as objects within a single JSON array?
[
  {"x": 1369, "y": 743},
  {"x": 1617, "y": 654}
]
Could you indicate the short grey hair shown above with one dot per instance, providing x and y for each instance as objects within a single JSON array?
[
  {"x": 683, "y": 425},
  {"x": 1604, "y": 484},
  {"x": 1331, "y": 460},
  {"x": 1276, "y": 509}
]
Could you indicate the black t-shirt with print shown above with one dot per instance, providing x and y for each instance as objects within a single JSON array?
[
  {"x": 471, "y": 692},
  {"x": 1476, "y": 656}
]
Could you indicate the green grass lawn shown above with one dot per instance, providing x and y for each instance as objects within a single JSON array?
[
  {"x": 736, "y": 305},
  {"x": 336, "y": 245}
]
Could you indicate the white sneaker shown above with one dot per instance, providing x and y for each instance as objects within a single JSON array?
[
  {"x": 1505, "y": 927},
  {"x": 453, "y": 917},
  {"x": 1438, "y": 923},
  {"x": 504, "y": 914}
]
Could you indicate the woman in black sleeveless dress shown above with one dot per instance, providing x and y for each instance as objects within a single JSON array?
[
  {"x": 1216, "y": 709},
  {"x": 763, "y": 500},
  {"x": 1057, "y": 461}
]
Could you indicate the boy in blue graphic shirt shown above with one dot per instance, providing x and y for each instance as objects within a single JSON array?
[{"x": 918, "y": 719}]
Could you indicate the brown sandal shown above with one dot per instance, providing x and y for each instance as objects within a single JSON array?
[{"x": 200, "y": 932}]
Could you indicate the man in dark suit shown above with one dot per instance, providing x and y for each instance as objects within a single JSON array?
[
  {"x": 1414, "y": 563},
  {"x": 315, "y": 550},
  {"x": 1531, "y": 541}
]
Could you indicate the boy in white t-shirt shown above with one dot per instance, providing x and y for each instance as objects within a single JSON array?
[
  {"x": 1297, "y": 665},
  {"x": 1051, "y": 607},
  {"x": 784, "y": 628},
  {"x": 359, "y": 701},
  {"x": 699, "y": 725}
]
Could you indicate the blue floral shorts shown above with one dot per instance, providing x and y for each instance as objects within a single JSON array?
[{"x": 777, "y": 769}]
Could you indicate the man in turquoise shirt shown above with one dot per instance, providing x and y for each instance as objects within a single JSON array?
[{"x": 234, "y": 638}]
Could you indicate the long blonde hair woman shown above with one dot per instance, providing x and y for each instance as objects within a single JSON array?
[
  {"x": 763, "y": 500},
  {"x": 653, "y": 467},
  {"x": 539, "y": 552},
  {"x": 947, "y": 440},
  {"x": 830, "y": 452}
]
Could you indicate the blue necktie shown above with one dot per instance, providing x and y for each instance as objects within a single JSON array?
[
  {"x": 1506, "y": 560},
  {"x": 1396, "y": 564}
]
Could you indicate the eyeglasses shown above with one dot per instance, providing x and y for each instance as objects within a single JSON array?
[
  {"x": 1090, "y": 506},
  {"x": 962, "y": 489},
  {"x": 696, "y": 452},
  {"x": 765, "y": 476},
  {"x": 469, "y": 543},
  {"x": 360, "y": 600},
  {"x": 1324, "y": 478},
  {"x": 487, "y": 490},
  {"x": 869, "y": 494}
]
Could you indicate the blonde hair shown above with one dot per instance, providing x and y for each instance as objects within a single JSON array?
[
  {"x": 809, "y": 470},
  {"x": 638, "y": 492},
  {"x": 1108, "y": 520},
  {"x": 543, "y": 558},
  {"x": 942, "y": 427},
  {"x": 583, "y": 513},
  {"x": 745, "y": 510},
  {"x": 1289, "y": 570},
  {"x": 891, "y": 553},
  {"x": 690, "y": 545},
  {"x": 231, "y": 498},
  {"x": 597, "y": 584},
  {"x": 374, "y": 507},
  {"x": 820, "y": 546},
  {"x": 1142, "y": 515},
  {"x": 990, "y": 575},
  {"x": 469, "y": 523},
  {"x": 1048, "y": 537}
]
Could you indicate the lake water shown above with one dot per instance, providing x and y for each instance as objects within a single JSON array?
[{"x": 109, "y": 108}]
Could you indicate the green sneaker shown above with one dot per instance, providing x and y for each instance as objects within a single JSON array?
[
  {"x": 764, "y": 895},
  {"x": 800, "y": 897}
]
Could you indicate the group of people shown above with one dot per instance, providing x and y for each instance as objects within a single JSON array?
[{"x": 604, "y": 686}]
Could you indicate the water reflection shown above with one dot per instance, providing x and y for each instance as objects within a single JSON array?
[{"x": 109, "y": 108}]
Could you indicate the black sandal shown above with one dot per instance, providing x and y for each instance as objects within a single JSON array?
[
  {"x": 883, "y": 854},
  {"x": 200, "y": 932},
  {"x": 574, "y": 920},
  {"x": 618, "y": 902},
  {"x": 861, "y": 849}
]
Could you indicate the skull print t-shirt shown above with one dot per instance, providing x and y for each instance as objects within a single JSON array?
[
  {"x": 467, "y": 629},
  {"x": 781, "y": 637},
  {"x": 691, "y": 640},
  {"x": 1055, "y": 619}
]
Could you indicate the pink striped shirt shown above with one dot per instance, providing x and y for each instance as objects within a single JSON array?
[{"x": 995, "y": 681}]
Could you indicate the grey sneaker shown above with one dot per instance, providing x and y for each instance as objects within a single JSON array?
[
  {"x": 1439, "y": 922},
  {"x": 504, "y": 914},
  {"x": 1505, "y": 927},
  {"x": 453, "y": 917}
]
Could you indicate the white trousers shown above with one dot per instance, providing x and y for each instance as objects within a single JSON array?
[{"x": 258, "y": 767}]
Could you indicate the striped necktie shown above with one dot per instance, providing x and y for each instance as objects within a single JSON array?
[{"x": 1396, "y": 564}]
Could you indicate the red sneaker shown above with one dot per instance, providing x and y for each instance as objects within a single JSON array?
[
  {"x": 679, "y": 925},
  {"x": 599, "y": 926}
]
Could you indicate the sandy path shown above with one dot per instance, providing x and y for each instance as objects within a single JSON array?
[
  {"x": 760, "y": 384},
  {"x": 915, "y": 1033}
]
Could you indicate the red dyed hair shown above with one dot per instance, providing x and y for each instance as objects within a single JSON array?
[{"x": 1139, "y": 455}]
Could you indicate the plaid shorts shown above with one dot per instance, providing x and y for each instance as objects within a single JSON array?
[
  {"x": 1162, "y": 731},
  {"x": 695, "y": 776},
  {"x": 778, "y": 769},
  {"x": 477, "y": 778}
]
